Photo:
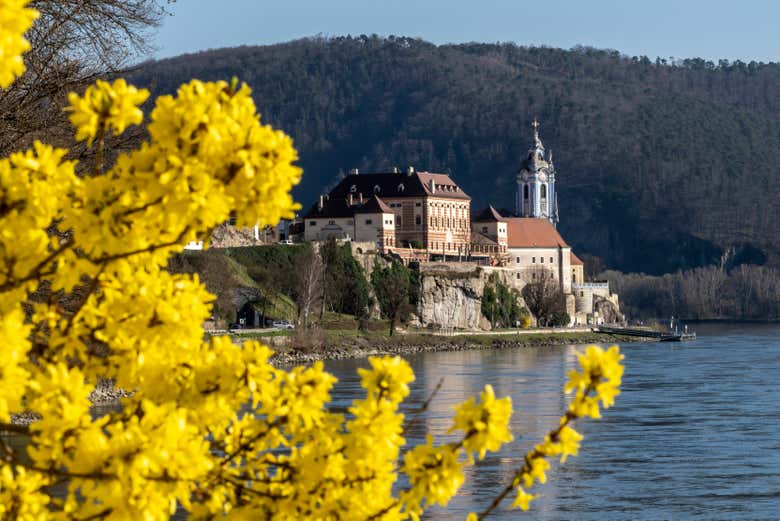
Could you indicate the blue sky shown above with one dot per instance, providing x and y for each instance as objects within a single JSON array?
[{"x": 712, "y": 29}]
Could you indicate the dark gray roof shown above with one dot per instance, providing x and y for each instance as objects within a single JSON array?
[
  {"x": 488, "y": 215},
  {"x": 374, "y": 205},
  {"x": 481, "y": 238},
  {"x": 389, "y": 184},
  {"x": 384, "y": 185},
  {"x": 330, "y": 208},
  {"x": 340, "y": 208}
]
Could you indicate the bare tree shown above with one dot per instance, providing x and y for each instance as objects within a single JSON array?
[
  {"x": 308, "y": 284},
  {"x": 73, "y": 43},
  {"x": 393, "y": 289},
  {"x": 543, "y": 295}
]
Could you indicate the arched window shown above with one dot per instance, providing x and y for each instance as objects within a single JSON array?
[
  {"x": 525, "y": 191},
  {"x": 544, "y": 192},
  {"x": 376, "y": 189},
  {"x": 401, "y": 187}
]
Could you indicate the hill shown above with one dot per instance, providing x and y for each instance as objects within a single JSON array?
[{"x": 661, "y": 166}]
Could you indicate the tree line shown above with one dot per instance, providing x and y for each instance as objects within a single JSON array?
[
  {"x": 649, "y": 152},
  {"x": 747, "y": 292}
]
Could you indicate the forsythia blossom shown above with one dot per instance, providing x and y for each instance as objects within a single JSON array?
[
  {"x": 113, "y": 105},
  {"x": 211, "y": 427},
  {"x": 15, "y": 19},
  {"x": 485, "y": 423}
]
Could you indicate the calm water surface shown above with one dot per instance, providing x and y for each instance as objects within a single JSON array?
[{"x": 694, "y": 435}]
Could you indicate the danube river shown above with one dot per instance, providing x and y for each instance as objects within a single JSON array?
[{"x": 695, "y": 433}]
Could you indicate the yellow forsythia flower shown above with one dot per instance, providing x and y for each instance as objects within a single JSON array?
[
  {"x": 113, "y": 105},
  {"x": 15, "y": 20},
  {"x": 388, "y": 378},
  {"x": 21, "y": 495},
  {"x": 434, "y": 473},
  {"x": 485, "y": 423},
  {"x": 523, "y": 499}
]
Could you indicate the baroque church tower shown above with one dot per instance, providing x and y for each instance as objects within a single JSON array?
[{"x": 536, "y": 195}]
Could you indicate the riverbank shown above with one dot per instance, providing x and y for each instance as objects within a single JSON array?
[
  {"x": 352, "y": 344},
  {"x": 356, "y": 345}
]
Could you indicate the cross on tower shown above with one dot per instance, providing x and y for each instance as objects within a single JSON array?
[{"x": 535, "y": 124}]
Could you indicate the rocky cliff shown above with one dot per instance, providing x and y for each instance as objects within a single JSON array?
[{"x": 451, "y": 295}]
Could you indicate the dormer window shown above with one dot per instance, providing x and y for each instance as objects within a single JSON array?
[
  {"x": 401, "y": 187},
  {"x": 353, "y": 189},
  {"x": 376, "y": 189}
]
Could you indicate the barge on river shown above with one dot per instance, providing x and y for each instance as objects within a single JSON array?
[{"x": 661, "y": 336}]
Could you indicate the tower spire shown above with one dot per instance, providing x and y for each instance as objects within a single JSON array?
[{"x": 537, "y": 147}]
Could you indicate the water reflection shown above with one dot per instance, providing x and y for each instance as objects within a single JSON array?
[
  {"x": 693, "y": 436},
  {"x": 533, "y": 377}
]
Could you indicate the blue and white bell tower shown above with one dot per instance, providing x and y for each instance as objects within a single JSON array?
[{"x": 536, "y": 195}]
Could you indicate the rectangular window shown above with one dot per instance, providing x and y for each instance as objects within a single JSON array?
[
  {"x": 417, "y": 204},
  {"x": 518, "y": 275},
  {"x": 417, "y": 220},
  {"x": 533, "y": 260},
  {"x": 541, "y": 259},
  {"x": 368, "y": 221},
  {"x": 533, "y": 275},
  {"x": 484, "y": 229},
  {"x": 551, "y": 260},
  {"x": 331, "y": 222},
  {"x": 517, "y": 259}
]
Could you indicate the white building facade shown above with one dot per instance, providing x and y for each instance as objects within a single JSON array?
[
  {"x": 536, "y": 195},
  {"x": 361, "y": 220}
]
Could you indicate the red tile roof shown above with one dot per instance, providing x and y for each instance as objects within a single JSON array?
[
  {"x": 576, "y": 261},
  {"x": 445, "y": 186},
  {"x": 533, "y": 232}
]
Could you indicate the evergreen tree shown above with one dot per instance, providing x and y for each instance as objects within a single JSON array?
[
  {"x": 345, "y": 288},
  {"x": 500, "y": 304}
]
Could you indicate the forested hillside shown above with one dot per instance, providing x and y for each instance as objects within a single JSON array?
[{"x": 661, "y": 166}]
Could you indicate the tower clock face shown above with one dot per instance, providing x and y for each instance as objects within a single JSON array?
[{"x": 542, "y": 177}]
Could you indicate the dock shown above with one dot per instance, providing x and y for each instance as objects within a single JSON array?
[{"x": 661, "y": 336}]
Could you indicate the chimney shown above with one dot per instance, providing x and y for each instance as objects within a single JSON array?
[
  {"x": 410, "y": 171},
  {"x": 354, "y": 171},
  {"x": 321, "y": 203},
  {"x": 433, "y": 186}
]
